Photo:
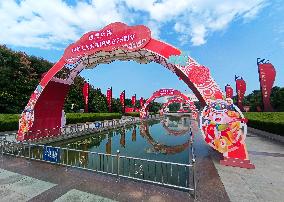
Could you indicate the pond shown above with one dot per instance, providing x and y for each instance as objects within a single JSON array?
[{"x": 167, "y": 139}]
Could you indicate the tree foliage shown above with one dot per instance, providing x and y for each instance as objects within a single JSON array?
[
  {"x": 20, "y": 74},
  {"x": 254, "y": 99},
  {"x": 174, "y": 107}
]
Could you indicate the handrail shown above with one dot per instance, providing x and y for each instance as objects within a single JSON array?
[{"x": 170, "y": 174}]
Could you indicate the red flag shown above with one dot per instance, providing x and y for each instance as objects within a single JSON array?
[
  {"x": 229, "y": 91},
  {"x": 122, "y": 100},
  {"x": 241, "y": 89},
  {"x": 133, "y": 100},
  {"x": 141, "y": 102},
  {"x": 109, "y": 98},
  {"x": 86, "y": 95},
  {"x": 267, "y": 75}
]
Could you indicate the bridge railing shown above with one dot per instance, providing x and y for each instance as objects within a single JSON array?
[
  {"x": 170, "y": 174},
  {"x": 74, "y": 130}
]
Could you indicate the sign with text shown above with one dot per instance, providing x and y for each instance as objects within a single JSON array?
[
  {"x": 164, "y": 92},
  {"x": 51, "y": 154},
  {"x": 241, "y": 89},
  {"x": 133, "y": 100},
  {"x": 229, "y": 91},
  {"x": 114, "y": 36},
  {"x": 109, "y": 98},
  {"x": 141, "y": 102},
  {"x": 122, "y": 101},
  {"x": 267, "y": 75},
  {"x": 86, "y": 95}
]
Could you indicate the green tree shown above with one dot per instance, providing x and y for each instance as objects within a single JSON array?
[
  {"x": 174, "y": 107},
  {"x": 277, "y": 98}
]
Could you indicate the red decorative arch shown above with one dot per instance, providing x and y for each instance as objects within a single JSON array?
[
  {"x": 168, "y": 92},
  {"x": 173, "y": 100},
  {"x": 180, "y": 100},
  {"x": 117, "y": 41}
]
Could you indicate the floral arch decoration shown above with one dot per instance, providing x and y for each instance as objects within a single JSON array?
[{"x": 116, "y": 41}]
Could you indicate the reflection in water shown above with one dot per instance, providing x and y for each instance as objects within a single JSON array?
[
  {"x": 122, "y": 137},
  {"x": 108, "y": 145},
  {"x": 158, "y": 147},
  {"x": 134, "y": 134},
  {"x": 176, "y": 125},
  {"x": 166, "y": 140}
]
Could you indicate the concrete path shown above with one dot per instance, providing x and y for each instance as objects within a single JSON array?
[
  {"x": 265, "y": 182},
  {"x": 47, "y": 182},
  {"x": 17, "y": 187}
]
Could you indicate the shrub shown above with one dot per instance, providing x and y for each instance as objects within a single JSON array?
[
  {"x": 268, "y": 121},
  {"x": 10, "y": 122},
  {"x": 73, "y": 118},
  {"x": 134, "y": 114},
  {"x": 137, "y": 114}
]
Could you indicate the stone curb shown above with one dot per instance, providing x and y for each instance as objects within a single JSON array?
[{"x": 265, "y": 134}]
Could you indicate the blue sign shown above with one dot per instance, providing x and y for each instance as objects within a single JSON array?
[
  {"x": 51, "y": 154},
  {"x": 98, "y": 124}
]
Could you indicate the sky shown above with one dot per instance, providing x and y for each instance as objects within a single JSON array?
[{"x": 225, "y": 36}]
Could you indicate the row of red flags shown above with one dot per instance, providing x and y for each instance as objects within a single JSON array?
[
  {"x": 267, "y": 75},
  {"x": 266, "y": 72},
  {"x": 109, "y": 98}
]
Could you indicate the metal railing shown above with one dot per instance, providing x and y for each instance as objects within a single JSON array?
[
  {"x": 174, "y": 175},
  {"x": 75, "y": 130}
]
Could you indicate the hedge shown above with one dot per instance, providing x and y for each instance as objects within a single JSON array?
[
  {"x": 10, "y": 122},
  {"x": 272, "y": 122},
  {"x": 73, "y": 118},
  {"x": 134, "y": 114},
  {"x": 137, "y": 114}
]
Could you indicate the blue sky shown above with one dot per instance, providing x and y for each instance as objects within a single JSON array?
[{"x": 226, "y": 36}]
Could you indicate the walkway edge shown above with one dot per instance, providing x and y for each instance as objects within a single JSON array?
[{"x": 265, "y": 134}]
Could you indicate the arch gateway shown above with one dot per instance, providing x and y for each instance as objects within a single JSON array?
[
  {"x": 222, "y": 124},
  {"x": 168, "y": 92}
]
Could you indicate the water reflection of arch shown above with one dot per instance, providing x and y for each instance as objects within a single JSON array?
[
  {"x": 165, "y": 149},
  {"x": 174, "y": 132}
]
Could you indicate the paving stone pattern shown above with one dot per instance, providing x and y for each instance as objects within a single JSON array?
[{"x": 265, "y": 182}]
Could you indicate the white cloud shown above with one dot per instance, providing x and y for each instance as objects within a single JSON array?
[
  {"x": 55, "y": 24},
  {"x": 195, "y": 19},
  {"x": 47, "y": 24}
]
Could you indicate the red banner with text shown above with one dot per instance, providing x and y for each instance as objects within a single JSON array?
[
  {"x": 267, "y": 75},
  {"x": 122, "y": 100},
  {"x": 109, "y": 98},
  {"x": 133, "y": 100},
  {"x": 241, "y": 89},
  {"x": 86, "y": 95},
  {"x": 141, "y": 102},
  {"x": 229, "y": 91}
]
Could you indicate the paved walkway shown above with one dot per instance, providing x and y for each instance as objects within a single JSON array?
[
  {"x": 265, "y": 182},
  {"x": 37, "y": 181}
]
